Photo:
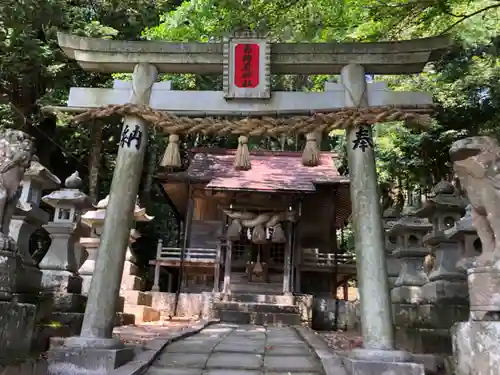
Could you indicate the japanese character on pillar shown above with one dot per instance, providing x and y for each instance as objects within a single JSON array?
[
  {"x": 363, "y": 139},
  {"x": 247, "y": 67}
]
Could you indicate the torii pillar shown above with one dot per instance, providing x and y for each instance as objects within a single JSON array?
[{"x": 376, "y": 314}]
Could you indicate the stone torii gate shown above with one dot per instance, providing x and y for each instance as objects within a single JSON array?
[{"x": 246, "y": 62}]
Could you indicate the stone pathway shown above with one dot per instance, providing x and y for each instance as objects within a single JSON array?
[{"x": 228, "y": 349}]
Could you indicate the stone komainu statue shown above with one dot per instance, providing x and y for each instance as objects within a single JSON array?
[
  {"x": 476, "y": 161},
  {"x": 16, "y": 152}
]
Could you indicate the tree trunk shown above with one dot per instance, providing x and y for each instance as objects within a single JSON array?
[{"x": 96, "y": 135}]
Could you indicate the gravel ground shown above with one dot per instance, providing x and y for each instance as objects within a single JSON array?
[
  {"x": 342, "y": 341},
  {"x": 141, "y": 333}
]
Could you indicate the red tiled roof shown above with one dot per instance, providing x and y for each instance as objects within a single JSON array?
[{"x": 271, "y": 171}]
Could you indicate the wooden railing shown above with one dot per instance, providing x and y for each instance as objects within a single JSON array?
[
  {"x": 190, "y": 254},
  {"x": 327, "y": 260}
]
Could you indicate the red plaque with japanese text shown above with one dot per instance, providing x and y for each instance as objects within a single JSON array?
[{"x": 246, "y": 65}]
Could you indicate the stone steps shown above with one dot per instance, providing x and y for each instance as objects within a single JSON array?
[
  {"x": 258, "y": 318},
  {"x": 259, "y": 288},
  {"x": 142, "y": 313},
  {"x": 257, "y": 307},
  {"x": 261, "y": 298}
]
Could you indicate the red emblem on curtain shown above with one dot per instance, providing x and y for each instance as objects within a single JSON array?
[{"x": 246, "y": 65}]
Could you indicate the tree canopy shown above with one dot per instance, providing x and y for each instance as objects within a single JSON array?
[{"x": 465, "y": 83}]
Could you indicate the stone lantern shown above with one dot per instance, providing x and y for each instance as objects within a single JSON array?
[
  {"x": 60, "y": 265},
  {"x": 406, "y": 296},
  {"x": 389, "y": 218},
  {"x": 133, "y": 300},
  {"x": 27, "y": 218},
  {"x": 444, "y": 209},
  {"x": 469, "y": 244},
  {"x": 95, "y": 219},
  {"x": 410, "y": 250}
]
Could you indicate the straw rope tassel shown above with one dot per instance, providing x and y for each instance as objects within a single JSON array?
[
  {"x": 242, "y": 159},
  {"x": 310, "y": 156},
  {"x": 172, "y": 156}
]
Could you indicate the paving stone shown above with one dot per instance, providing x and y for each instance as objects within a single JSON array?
[
  {"x": 173, "y": 371},
  {"x": 291, "y": 373},
  {"x": 299, "y": 350},
  {"x": 235, "y": 361},
  {"x": 192, "y": 360},
  {"x": 185, "y": 347},
  {"x": 232, "y": 372},
  {"x": 242, "y": 348},
  {"x": 290, "y": 363}
]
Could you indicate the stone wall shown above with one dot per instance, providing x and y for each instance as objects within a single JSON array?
[
  {"x": 189, "y": 305},
  {"x": 323, "y": 314}
]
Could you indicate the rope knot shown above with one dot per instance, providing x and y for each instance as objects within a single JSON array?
[
  {"x": 242, "y": 140},
  {"x": 173, "y": 138}
]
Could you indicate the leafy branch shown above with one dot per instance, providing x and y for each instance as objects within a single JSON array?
[{"x": 467, "y": 16}]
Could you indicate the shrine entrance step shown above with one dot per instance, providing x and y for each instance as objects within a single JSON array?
[{"x": 258, "y": 309}]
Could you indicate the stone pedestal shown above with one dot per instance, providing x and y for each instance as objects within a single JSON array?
[
  {"x": 484, "y": 290},
  {"x": 476, "y": 346},
  {"x": 59, "y": 269}
]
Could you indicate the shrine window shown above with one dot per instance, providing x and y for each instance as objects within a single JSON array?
[
  {"x": 449, "y": 222},
  {"x": 412, "y": 240},
  {"x": 478, "y": 246}
]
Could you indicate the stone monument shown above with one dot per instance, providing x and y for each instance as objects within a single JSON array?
[
  {"x": 476, "y": 343},
  {"x": 18, "y": 319}
]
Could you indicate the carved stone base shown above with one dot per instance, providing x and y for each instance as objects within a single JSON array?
[
  {"x": 407, "y": 294},
  {"x": 484, "y": 291},
  {"x": 476, "y": 348},
  {"x": 442, "y": 291}
]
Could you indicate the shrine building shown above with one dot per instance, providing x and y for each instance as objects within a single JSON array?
[{"x": 271, "y": 229}]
